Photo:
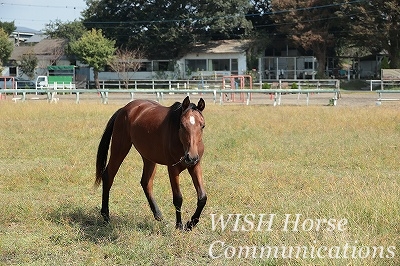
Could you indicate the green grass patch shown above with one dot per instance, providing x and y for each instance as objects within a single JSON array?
[
  {"x": 353, "y": 84},
  {"x": 320, "y": 162}
]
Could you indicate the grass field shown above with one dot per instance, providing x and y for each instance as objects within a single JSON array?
[{"x": 335, "y": 163}]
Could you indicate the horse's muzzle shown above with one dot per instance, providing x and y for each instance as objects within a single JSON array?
[{"x": 191, "y": 161}]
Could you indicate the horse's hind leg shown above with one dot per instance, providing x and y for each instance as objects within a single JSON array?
[
  {"x": 120, "y": 147},
  {"x": 149, "y": 170}
]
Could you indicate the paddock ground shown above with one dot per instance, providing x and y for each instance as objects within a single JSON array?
[
  {"x": 347, "y": 98},
  {"x": 318, "y": 161}
]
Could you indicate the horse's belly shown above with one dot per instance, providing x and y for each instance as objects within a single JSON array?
[
  {"x": 153, "y": 153},
  {"x": 149, "y": 145}
]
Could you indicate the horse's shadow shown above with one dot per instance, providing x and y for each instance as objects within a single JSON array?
[
  {"x": 89, "y": 223},
  {"x": 91, "y": 226}
]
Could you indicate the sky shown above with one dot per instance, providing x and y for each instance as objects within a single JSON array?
[{"x": 37, "y": 13}]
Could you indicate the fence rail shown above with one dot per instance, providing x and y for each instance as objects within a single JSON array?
[
  {"x": 104, "y": 93},
  {"x": 384, "y": 83},
  {"x": 303, "y": 84},
  {"x": 215, "y": 84},
  {"x": 391, "y": 92}
]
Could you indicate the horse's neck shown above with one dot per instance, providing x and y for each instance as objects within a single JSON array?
[{"x": 174, "y": 144}]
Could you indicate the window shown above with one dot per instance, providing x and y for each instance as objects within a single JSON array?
[
  {"x": 196, "y": 64},
  {"x": 163, "y": 66},
  {"x": 145, "y": 67},
  {"x": 308, "y": 65},
  {"x": 234, "y": 67},
  {"x": 219, "y": 64}
]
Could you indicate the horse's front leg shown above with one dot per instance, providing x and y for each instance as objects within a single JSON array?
[
  {"x": 197, "y": 176},
  {"x": 177, "y": 199}
]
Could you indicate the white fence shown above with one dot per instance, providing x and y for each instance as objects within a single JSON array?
[
  {"x": 216, "y": 84},
  {"x": 392, "y": 93},
  {"x": 384, "y": 84},
  {"x": 217, "y": 94}
]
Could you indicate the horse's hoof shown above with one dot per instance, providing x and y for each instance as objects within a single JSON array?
[
  {"x": 158, "y": 217},
  {"x": 106, "y": 217},
  {"x": 179, "y": 226},
  {"x": 189, "y": 226}
]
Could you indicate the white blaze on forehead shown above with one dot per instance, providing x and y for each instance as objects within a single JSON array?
[{"x": 191, "y": 120}]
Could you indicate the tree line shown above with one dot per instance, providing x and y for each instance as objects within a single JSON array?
[{"x": 163, "y": 29}]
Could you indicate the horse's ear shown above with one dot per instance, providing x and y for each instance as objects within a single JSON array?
[
  {"x": 185, "y": 103},
  {"x": 201, "y": 104}
]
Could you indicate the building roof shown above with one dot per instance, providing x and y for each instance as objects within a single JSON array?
[
  {"x": 26, "y": 30},
  {"x": 222, "y": 47},
  {"x": 36, "y": 38},
  {"x": 45, "y": 49}
]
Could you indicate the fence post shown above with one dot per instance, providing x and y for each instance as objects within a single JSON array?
[{"x": 215, "y": 96}]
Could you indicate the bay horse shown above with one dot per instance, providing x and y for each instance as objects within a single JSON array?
[{"x": 170, "y": 136}]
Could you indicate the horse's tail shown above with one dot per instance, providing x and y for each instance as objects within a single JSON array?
[{"x": 102, "y": 151}]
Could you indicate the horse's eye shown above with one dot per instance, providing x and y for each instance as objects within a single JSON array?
[{"x": 203, "y": 126}]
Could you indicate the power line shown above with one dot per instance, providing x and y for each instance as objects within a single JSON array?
[
  {"x": 43, "y": 6},
  {"x": 191, "y": 20},
  {"x": 119, "y": 24}
]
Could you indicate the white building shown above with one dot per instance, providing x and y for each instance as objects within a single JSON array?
[{"x": 218, "y": 58}]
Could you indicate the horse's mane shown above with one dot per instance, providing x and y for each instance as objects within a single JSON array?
[{"x": 175, "y": 112}]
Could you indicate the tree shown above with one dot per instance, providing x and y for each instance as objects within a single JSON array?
[
  {"x": 310, "y": 25},
  {"x": 8, "y": 27},
  {"x": 125, "y": 62},
  {"x": 161, "y": 28},
  {"x": 28, "y": 63},
  {"x": 374, "y": 25},
  {"x": 6, "y": 47},
  {"x": 165, "y": 29},
  {"x": 259, "y": 14},
  {"x": 264, "y": 30},
  {"x": 95, "y": 50},
  {"x": 221, "y": 19},
  {"x": 71, "y": 31}
]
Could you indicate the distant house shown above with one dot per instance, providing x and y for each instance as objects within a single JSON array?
[
  {"x": 288, "y": 64},
  {"x": 370, "y": 66},
  {"x": 48, "y": 52},
  {"x": 23, "y": 34},
  {"x": 203, "y": 61},
  {"x": 227, "y": 57}
]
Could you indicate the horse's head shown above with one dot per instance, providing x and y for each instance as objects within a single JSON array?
[{"x": 191, "y": 130}]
